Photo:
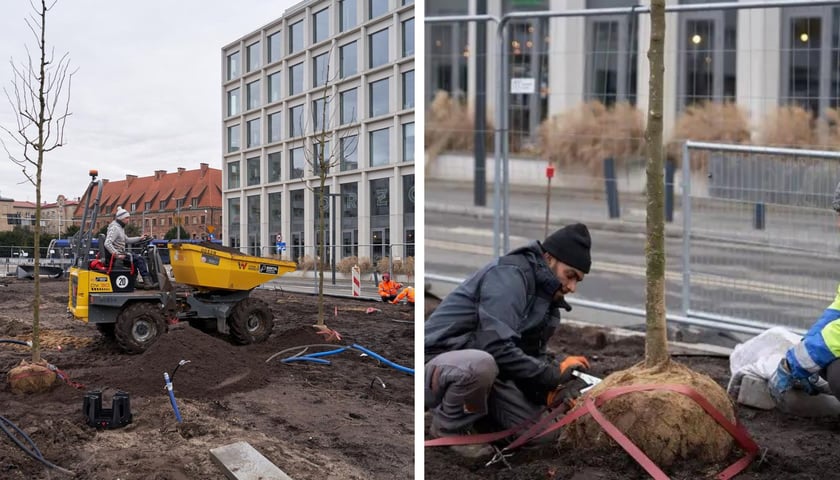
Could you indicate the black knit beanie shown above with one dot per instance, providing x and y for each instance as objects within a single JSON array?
[{"x": 571, "y": 245}]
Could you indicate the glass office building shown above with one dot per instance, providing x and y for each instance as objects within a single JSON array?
[{"x": 331, "y": 79}]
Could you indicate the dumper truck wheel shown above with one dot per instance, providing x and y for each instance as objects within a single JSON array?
[
  {"x": 138, "y": 326},
  {"x": 251, "y": 321}
]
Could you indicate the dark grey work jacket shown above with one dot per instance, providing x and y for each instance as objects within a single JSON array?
[{"x": 506, "y": 310}]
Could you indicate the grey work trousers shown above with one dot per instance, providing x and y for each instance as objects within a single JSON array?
[{"x": 462, "y": 387}]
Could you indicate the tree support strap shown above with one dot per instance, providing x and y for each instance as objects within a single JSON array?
[{"x": 549, "y": 424}]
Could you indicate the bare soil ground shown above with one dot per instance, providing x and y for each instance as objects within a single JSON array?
[
  {"x": 791, "y": 448},
  {"x": 313, "y": 421}
]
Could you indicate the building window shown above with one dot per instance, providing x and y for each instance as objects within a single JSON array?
[
  {"x": 348, "y": 15},
  {"x": 274, "y": 92},
  {"x": 612, "y": 55},
  {"x": 233, "y": 65},
  {"x": 408, "y": 214},
  {"x": 319, "y": 70},
  {"x": 233, "y": 138},
  {"x": 253, "y": 127},
  {"x": 349, "y": 104},
  {"x": 253, "y": 52},
  {"x": 408, "y": 37},
  {"x": 274, "y": 132},
  {"x": 147, "y": 206},
  {"x": 320, "y": 114},
  {"x": 810, "y": 63},
  {"x": 275, "y": 53},
  {"x": 234, "y": 235},
  {"x": 707, "y": 71},
  {"x": 379, "y": 146},
  {"x": 316, "y": 156},
  {"x": 275, "y": 167},
  {"x": 194, "y": 203},
  {"x": 254, "y": 94},
  {"x": 348, "y": 58},
  {"x": 296, "y": 37},
  {"x": 275, "y": 216},
  {"x": 320, "y": 25},
  {"x": 253, "y": 165},
  {"x": 378, "y": 48},
  {"x": 380, "y": 218},
  {"x": 349, "y": 149},
  {"x": 254, "y": 233},
  {"x": 408, "y": 142},
  {"x": 296, "y": 121},
  {"x": 350, "y": 219},
  {"x": 298, "y": 207},
  {"x": 378, "y": 93},
  {"x": 377, "y": 8},
  {"x": 297, "y": 163},
  {"x": 408, "y": 89},
  {"x": 232, "y": 175},
  {"x": 446, "y": 46},
  {"x": 233, "y": 102},
  {"x": 296, "y": 79}
]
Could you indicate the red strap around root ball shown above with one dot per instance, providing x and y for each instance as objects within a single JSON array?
[{"x": 590, "y": 407}]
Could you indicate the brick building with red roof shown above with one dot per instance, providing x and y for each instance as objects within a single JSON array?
[{"x": 161, "y": 201}]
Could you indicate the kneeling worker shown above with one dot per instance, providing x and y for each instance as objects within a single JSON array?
[
  {"x": 407, "y": 293},
  {"x": 388, "y": 290}
]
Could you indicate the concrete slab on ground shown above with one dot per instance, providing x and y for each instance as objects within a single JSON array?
[
  {"x": 241, "y": 461},
  {"x": 754, "y": 393}
]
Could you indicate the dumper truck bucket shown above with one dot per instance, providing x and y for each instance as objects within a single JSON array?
[{"x": 208, "y": 266}]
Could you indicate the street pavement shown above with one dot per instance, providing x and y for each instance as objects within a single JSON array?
[{"x": 781, "y": 275}]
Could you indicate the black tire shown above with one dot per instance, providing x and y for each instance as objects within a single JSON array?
[
  {"x": 106, "y": 329},
  {"x": 251, "y": 321},
  {"x": 138, "y": 326}
]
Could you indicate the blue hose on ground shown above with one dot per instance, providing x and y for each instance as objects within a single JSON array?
[
  {"x": 305, "y": 358},
  {"x": 382, "y": 359},
  {"x": 328, "y": 352},
  {"x": 17, "y": 342},
  {"x": 172, "y": 397}
]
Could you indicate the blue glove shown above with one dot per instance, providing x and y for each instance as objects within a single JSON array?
[{"x": 782, "y": 380}]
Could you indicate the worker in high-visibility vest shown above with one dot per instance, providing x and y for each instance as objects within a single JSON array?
[
  {"x": 388, "y": 289},
  {"x": 407, "y": 293}
]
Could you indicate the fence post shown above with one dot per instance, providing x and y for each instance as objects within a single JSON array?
[
  {"x": 611, "y": 187},
  {"x": 670, "y": 168},
  {"x": 357, "y": 281},
  {"x": 758, "y": 219},
  {"x": 686, "y": 234}
]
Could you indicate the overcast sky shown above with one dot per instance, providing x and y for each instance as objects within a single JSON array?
[{"x": 147, "y": 92}]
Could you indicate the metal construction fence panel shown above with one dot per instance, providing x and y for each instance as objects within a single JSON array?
[{"x": 771, "y": 209}]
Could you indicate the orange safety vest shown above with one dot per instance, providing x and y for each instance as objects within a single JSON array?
[
  {"x": 386, "y": 289},
  {"x": 407, "y": 291}
]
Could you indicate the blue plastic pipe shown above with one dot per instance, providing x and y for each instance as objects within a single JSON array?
[
  {"x": 305, "y": 358},
  {"x": 324, "y": 354},
  {"x": 382, "y": 359},
  {"x": 172, "y": 397}
]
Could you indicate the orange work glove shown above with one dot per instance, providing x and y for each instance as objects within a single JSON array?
[{"x": 571, "y": 363}]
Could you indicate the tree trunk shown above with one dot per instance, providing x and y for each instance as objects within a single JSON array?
[{"x": 656, "y": 340}]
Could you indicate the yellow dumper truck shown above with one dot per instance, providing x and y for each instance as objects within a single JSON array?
[{"x": 212, "y": 291}]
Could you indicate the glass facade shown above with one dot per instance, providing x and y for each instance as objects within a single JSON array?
[
  {"x": 408, "y": 213},
  {"x": 368, "y": 148}
]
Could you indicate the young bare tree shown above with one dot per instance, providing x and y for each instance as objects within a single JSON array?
[
  {"x": 656, "y": 338},
  {"x": 322, "y": 159},
  {"x": 40, "y": 96}
]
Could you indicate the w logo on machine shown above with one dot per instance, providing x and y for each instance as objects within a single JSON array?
[{"x": 243, "y": 265}]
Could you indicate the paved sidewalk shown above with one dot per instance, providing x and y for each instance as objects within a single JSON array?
[{"x": 792, "y": 228}]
